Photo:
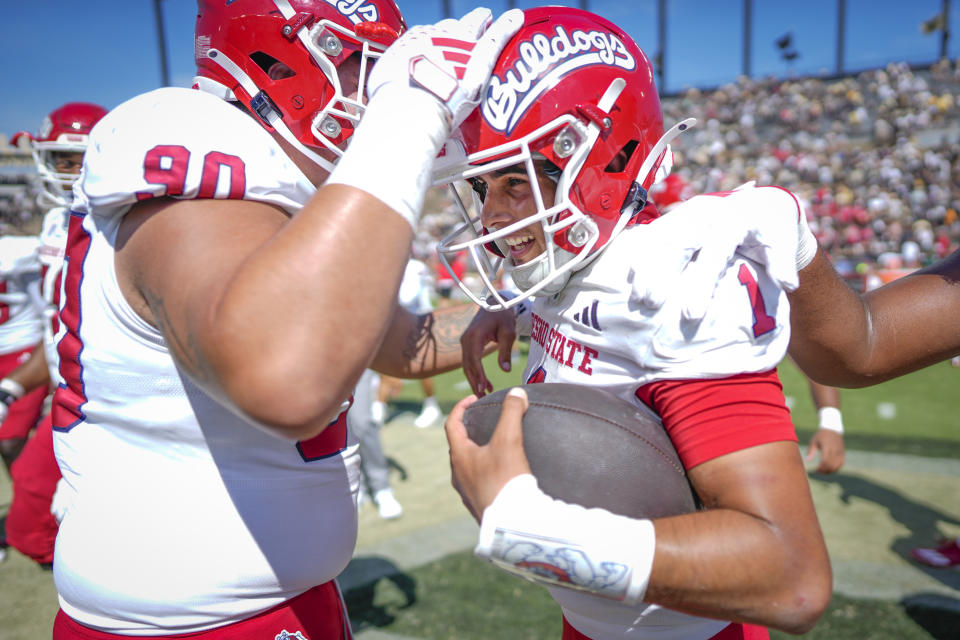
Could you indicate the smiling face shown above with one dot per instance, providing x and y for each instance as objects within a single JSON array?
[{"x": 507, "y": 198}]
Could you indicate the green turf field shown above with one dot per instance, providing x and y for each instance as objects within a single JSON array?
[
  {"x": 428, "y": 603},
  {"x": 917, "y": 414}
]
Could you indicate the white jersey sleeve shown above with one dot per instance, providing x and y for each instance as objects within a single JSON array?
[
  {"x": 597, "y": 331},
  {"x": 20, "y": 323},
  {"x": 184, "y": 144}
]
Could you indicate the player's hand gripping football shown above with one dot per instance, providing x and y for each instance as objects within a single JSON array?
[
  {"x": 478, "y": 473},
  {"x": 487, "y": 327},
  {"x": 451, "y": 60},
  {"x": 697, "y": 241}
]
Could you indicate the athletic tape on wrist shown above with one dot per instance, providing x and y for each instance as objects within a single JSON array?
[
  {"x": 392, "y": 151},
  {"x": 10, "y": 391},
  {"x": 528, "y": 533},
  {"x": 830, "y": 418}
]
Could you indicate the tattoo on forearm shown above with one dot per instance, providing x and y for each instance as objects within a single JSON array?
[{"x": 435, "y": 339}]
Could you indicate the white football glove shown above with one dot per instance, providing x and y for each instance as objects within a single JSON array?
[
  {"x": 697, "y": 241},
  {"x": 451, "y": 59},
  {"x": 422, "y": 87}
]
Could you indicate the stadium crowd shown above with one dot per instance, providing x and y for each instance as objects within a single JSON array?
[{"x": 873, "y": 156}]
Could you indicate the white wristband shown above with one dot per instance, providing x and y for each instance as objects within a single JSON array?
[
  {"x": 526, "y": 532},
  {"x": 11, "y": 388},
  {"x": 392, "y": 151},
  {"x": 830, "y": 418}
]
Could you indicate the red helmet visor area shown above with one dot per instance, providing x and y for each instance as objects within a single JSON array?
[
  {"x": 72, "y": 120},
  {"x": 59, "y": 145},
  {"x": 267, "y": 47}
]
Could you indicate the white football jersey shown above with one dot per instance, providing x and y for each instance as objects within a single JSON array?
[
  {"x": 414, "y": 293},
  {"x": 20, "y": 319},
  {"x": 595, "y": 332},
  {"x": 183, "y": 514},
  {"x": 53, "y": 242}
]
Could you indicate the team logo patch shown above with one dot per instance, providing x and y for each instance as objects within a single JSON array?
[
  {"x": 544, "y": 60},
  {"x": 356, "y": 11},
  {"x": 286, "y": 635}
]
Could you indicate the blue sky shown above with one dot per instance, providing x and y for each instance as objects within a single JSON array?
[{"x": 57, "y": 51}]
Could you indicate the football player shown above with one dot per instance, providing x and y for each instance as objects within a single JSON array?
[
  {"x": 839, "y": 337},
  {"x": 225, "y": 288},
  {"x": 58, "y": 147},
  {"x": 560, "y": 154},
  {"x": 20, "y": 335}
]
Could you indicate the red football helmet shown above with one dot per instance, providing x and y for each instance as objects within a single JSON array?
[
  {"x": 670, "y": 192},
  {"x": 306, "y": 97},
  {"x": 65, "y": 130},
  {"x": 574, "y": 89}
]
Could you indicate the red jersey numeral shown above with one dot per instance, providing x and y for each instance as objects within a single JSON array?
[
  {"x": 762, "y": 321},
  {"x": 69, "y": 398},
  {"x": 166, "y": 165},
  {"x": 4, "y": 307},
  {"x": 328, "y": 442},
  {"x": 212, "y": 165}
]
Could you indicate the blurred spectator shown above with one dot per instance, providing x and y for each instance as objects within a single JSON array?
[
  {"x": 375, "y": 471},
  {"x": 415, "y": 296},
  {"x": 874, "y": 157}
]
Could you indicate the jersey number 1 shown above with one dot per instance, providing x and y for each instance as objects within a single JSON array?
[{"x": 763, "y": 322}]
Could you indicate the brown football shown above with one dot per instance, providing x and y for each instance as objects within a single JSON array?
[{"x": 589, "y": 447}]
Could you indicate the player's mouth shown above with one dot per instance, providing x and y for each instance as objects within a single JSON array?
[{"x": 519, "y": 245}]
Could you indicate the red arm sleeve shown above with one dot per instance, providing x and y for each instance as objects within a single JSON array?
[{"x": 706, "y": 419}]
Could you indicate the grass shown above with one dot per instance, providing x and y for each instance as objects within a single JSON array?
[
  {"x": 459, "y": 597},
  {"x": 924, "y": 407},
  {"x": 428, "y": 603}
]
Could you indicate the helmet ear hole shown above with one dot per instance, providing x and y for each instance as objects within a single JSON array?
[
  {"x": 619, "y": 162},
  {"x": 275, "y": 69}
]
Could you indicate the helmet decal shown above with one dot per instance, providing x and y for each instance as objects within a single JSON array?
[
  {"x": 45, "y": 128},
  {"x": 201, "y": 44},
  {"x": 543, "y": 61},
  {"x": 356, "y": 11}
]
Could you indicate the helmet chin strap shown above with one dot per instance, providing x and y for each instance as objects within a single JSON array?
[{"x": 532, "y": 273}]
